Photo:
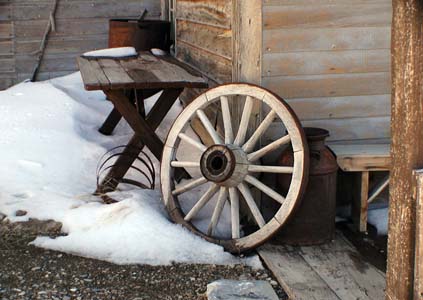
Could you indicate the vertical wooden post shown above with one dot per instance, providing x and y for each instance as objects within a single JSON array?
[
  {"x": 418, "y": 261},
  {"x": 407, "y": 144}
]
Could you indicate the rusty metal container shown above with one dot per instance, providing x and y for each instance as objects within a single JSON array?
[
  {"x": 142, "y": 35},
  {"x": 314, "y": 220}
]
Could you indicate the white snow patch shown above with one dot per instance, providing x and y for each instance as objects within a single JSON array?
[
  {"x": 112, "y": 52},
  {"x": 50, "y": 146},
  {"x": 379, "y": 219}
]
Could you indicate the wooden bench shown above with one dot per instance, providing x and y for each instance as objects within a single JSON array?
[{"x": 364, "y": 158}]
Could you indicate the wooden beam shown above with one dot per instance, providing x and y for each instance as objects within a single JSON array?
[
  {"x": 418, "y": 261},
  {"x": 407, "y": 144}
]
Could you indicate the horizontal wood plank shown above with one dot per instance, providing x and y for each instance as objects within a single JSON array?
[
  {"x": 214, "y": 39},
  {"x": 6, "y": 82},
  {"x": 217, "y": 68},
  {"x": 326, "y": 39},
  {"x": 363, "y": 157},
  {"x": 64, "y": 27},
  {"x": 5, "y": 11},
  {"x": 50, "y": 63},
  {"x": 6, "y": 48},
  {"x": 331, "y": 62},
  {"x": 77, "y": 45},
  {"x": 342, "y": 129},
  {"x": 294, "y": 274},
  {"x": 335, "y": 15},
  {"x": 320, "y": 2},
  {"x": 6, "y": 30},
  {"x": 7, "y": 64},
  {"x": 342, "y": 107},
  {"x": 86, "y": 9},
  {"x": 217, "y": 13},
  {"x": 310, "y": 86}
]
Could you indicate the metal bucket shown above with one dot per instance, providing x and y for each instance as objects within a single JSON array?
[
  {"x": 314, "y": 221},
  {"x": 142, "y": 35}
]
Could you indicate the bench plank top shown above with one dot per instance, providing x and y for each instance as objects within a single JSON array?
[
  {"x": 145, "y": 71},
  {"x": 366, "y": 157}
]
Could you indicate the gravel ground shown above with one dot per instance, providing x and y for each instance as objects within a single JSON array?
[{"x": 27, "y": 272}]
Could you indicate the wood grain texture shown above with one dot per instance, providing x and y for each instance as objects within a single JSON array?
[
  {"x": 217, "y": 68},
  {"x": 330, "y": 62},
  {"x": 326, "y": 39},
  {"x": 363, "y": 157},
  {"x": 330, "y": 271},
  {"x": 208, "y": 38},
  {"x": 341, "y": 107},
  {"x": 335, "y": 15},
  {"x": 343, "y": 129},
  {"x": 80, "y": 26},
  {"x": 330, "y": 85},
  {"x": 6, "y": 30},
  {"x": 216, "y": 13},
  {"x": 407, "y": 144},
  {"x": 418, "y": 260}
]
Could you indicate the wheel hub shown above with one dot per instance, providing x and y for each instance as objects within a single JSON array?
[{"x": 224, "y": 164}]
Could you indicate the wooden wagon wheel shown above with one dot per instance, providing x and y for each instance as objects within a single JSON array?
[{"x": 230, "y": 166}]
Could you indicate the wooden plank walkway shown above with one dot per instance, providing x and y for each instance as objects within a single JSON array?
[{"x": 331, "y": 271}]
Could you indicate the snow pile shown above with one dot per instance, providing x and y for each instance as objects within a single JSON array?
[
  {"x": 50, "y": 148},
  {"x": 112, "y": 52}
]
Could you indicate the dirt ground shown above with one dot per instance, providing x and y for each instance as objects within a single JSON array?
[{"x": 27, "y": 272}]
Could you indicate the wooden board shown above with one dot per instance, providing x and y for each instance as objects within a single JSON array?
[
  {"x": 208, "y": 38},
  {"x": 326, "y": 108},
  {"x": 144, "y": 71},
  {"x": 309, "y": 86},
  {"x": 330, "y": 62},
  {"x": 418, "y": 257},
  {"x": 327, "y": 15},
  {"x": 331, "y": 271},
  {"x": 80, "y": 26},
  {"x": 85, "y": 9},
  {"x": 217, "y": 12},
  {"x": 366, "y": 157},
  {"x": 215, "y": 67},
  {"x": 326, "y": 39}
]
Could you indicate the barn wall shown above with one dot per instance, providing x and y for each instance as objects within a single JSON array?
[
  {"x": 204, "y": 36},
  {"x": 331, "y": 61},
  {"x": 80, "y": 26}
]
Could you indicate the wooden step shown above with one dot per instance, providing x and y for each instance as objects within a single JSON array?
[{"x": 331, "y": 271}]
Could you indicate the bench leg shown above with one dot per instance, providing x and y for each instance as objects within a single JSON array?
[
  {"x": 111, "y": 122},
  {"x": 360, "y": 201}
]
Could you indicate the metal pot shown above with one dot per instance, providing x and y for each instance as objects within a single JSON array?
[{"x": 314, "y": 220}]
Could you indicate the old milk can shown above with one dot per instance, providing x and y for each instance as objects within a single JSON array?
[{"x": 314, "y": 220}]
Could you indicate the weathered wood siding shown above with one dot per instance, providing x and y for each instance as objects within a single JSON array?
[
  {"x": 331, "y": 61},
  {"x": 80, "y": 26},
  {"x": 204, "y": 36}
]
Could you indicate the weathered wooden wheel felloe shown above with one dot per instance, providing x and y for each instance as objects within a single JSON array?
[{"x": 230, "y": 167}]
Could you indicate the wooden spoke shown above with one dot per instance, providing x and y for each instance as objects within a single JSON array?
[
  {"x": 185, "y": 164},
  {"x": 233, "y": 196},
  {"x": 227, "y": 120},
  {"x": 270, "y": 169},
  {"x": 223, "y": 195},
  {"x": 246, "y": 193},
  {"x": 203, "y": 201},
  {"x": 250, "y": 144},
  {"x": 265, "y": 189},
  {"x": 269, "y": 148},
  {"x": 192, "y": 142},
  {"x": 182, "y": 188},
  {"x": 209, "y": 127},
  {"x": 243, "y": 125}
]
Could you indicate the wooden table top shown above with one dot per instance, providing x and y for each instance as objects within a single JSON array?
[{"x": 143, "y": 72}]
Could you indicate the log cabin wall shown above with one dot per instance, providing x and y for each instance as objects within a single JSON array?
[
  {"x": 331, "y": 60},
  {"x": 204, "y": 37},
  {"x": 80, "y": 26}
]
